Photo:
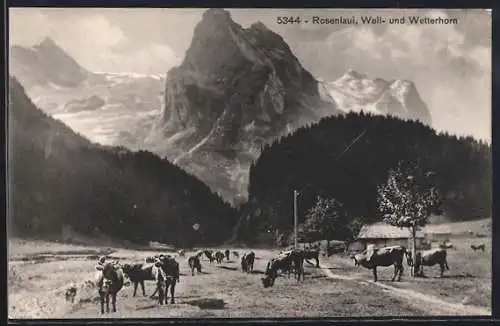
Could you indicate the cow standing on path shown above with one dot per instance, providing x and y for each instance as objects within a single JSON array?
[
  {"x": 428, "y": 258},
  {"x": 382, "y": 257},
  {"x": 226, "y": 253}
]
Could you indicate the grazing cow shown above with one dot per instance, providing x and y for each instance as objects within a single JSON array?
[
  {"x": 236, "y": 254},
  {"x": 226, "y": 253},
  {"x": 247, "y": 262},
  {"x": 481, "y": 246},
  {"x": 209, "y": 254},
  {"x": 312, "y": 254},
  {"x": 385, "y": 257},
  {"x": 446, "y": 245},
  {"x": 194, "y": 263},
  {"x": 152, "y": 259},
  {"x": 219, "y": 257},
  {"x": 109, "y": 283},
  {"x": 283, "y": 262},
  {"x": 71, "y": 294},
  {"x": 429, "y": 258},
  {"x": 167, "y": 276},
  {"x": 138, "y": 273},
  {"x": 181, "y": 253}
]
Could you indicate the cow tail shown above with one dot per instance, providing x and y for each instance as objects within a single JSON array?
[{"x": 446, "y": 261}]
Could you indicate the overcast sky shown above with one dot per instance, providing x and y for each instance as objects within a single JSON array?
[{"x": 450, "y": 64}]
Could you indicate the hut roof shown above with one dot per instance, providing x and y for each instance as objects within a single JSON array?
[{"x": 385, "y": 231}]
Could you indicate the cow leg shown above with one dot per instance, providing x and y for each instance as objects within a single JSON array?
[
  {"x": 143, "y": 289},
  {"x": 102, "y": 303},
  {"x": 114, "y": 302},
  {"x": 161, "y": 295},
  {"x": 152, "y": 295},
  {"x": 442, "y": 268},
  {"x": 317, "y": 262},
  {"x": 374, "y": 271},
  {"x": 396, "y": 270},
  {"x": 135, "y": 288},
  {"x": 446, "y": 265},
  {"x": 166, "y": 291},
  {"x": 107, "y": 303},
  {"x": 172, "y": 291},
  {"x": 401, "y": 269}
]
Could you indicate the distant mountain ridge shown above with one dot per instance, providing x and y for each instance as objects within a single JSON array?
[
  {"x": 109, "y": 108},
  {"x": 59, "y": 179},
  {"x": 354, "y": 91},
  {"x": 46, "y": 64}
]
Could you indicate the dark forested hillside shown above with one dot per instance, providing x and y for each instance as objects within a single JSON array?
[
  {"x": 58, "y": 178},
  {"x": 312, "y": 162}
]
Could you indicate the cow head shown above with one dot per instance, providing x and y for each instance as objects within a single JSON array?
[
  {"x": 267, "y": 281},
  {"x": 106, "y": 285},
  {"x": 409, "y": 258}
]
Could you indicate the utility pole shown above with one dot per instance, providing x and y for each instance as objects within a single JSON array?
[{"x": 295, "y": 219}]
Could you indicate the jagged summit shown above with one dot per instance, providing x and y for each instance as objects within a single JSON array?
[
  {"x": 46, "y": 64},
  {"x": 354, "y": 74},
  {"x": 216, "y": 15},
  {"x": 259, "y": 25},
  {"x": 47, "y": 43}
]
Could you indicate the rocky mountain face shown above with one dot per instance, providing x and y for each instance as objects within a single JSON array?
[
  {"x": 109, "y": 108},
  {"x": 355, "y": 91},
  {"x": 236, "y": 90},
  {"x": 60, "y": 179}
]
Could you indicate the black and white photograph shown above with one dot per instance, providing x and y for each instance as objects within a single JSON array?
[{"x": 248, "y": 163}]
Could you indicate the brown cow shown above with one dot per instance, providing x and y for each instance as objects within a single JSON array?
[
  {"x": 247, "y": 262},
  {"x": 138, "y": 273},
  {"x": 167, "y": 276},
  {"x": 386, "y": 256},
  {"x": 283, "y": 262},
  {"x": 431, "y": 257},
  {"x": 219, "y": 257},
  {"x": 194, "y": 263},
  {"x": 481, "y": 246},
  {"x": 109, "y": 283}
]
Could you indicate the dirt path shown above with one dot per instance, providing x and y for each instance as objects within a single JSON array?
[{"x": 433, "y": 305}]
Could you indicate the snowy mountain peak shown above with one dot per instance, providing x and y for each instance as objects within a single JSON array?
[{"x": 355, "y": 91}]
